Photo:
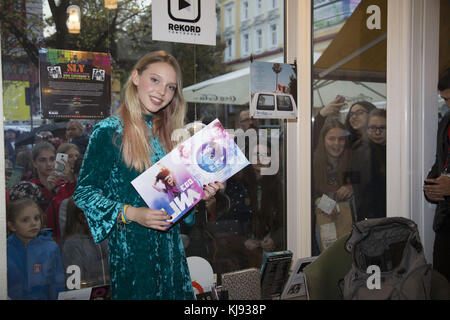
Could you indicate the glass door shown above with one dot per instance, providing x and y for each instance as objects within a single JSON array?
[{"x": 348, "y": 117}]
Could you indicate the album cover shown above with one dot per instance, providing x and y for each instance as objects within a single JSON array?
[
  {"x": 274, "y": 273},
  {"x": 175, "y": 183},
  {"x": 296, "y": 286}
]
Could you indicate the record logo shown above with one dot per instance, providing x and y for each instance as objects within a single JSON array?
[
  {"x": 211, "y": 157},
  {"x": 184, "y": 10}
]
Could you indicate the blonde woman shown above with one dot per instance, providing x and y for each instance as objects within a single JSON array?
[{"x": 147, "y": 259}]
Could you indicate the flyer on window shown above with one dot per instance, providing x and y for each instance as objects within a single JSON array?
[
  {"x": 74, "y": 84},
  {"x": 175, "y": 183}
]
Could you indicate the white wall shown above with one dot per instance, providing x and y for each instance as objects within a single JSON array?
[
  {"x": 412, "y": 73},
  {"x": 299, "y": 131}
]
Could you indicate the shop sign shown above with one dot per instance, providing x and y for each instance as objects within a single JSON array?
[
  {"x": 216, "y": 98},
  {"x": 186, "y": 21}
]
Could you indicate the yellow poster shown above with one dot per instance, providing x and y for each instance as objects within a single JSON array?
[{"x": 14, "y": 107}]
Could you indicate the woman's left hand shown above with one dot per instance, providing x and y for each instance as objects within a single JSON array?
[{"x": 211, "y": 189}]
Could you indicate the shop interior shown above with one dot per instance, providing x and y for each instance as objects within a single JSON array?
[{"x": 278, "y": 231}]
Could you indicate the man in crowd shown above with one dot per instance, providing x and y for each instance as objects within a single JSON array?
[{"x": 437, "y": 186}]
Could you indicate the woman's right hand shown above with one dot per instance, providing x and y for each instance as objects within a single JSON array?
[
  {"x": 52, "y": 180},
  {"x": 149, "y": 218},
  {"x": 333, "y": 107}
]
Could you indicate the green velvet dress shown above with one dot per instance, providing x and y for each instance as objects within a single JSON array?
[{"x": 144, "y": 263}]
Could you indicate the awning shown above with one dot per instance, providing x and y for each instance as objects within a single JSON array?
[
  {"x": 357, "y": 52},
  {"x": 230, "y": 88},
  {"x": 326, "y": 91},
  {"x": 360, "y": 54}
]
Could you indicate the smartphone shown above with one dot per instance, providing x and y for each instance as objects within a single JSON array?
[{"x": 59, "y": 164}]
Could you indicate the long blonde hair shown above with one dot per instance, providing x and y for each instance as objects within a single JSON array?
[{"x": 136, "y": 148}]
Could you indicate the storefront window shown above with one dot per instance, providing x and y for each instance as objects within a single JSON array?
[
  {"x": 233, "y": 230},
  {"x": 349, "y": 117}
]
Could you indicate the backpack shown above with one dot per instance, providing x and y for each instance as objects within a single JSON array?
[{"x": 388, "y": 262}]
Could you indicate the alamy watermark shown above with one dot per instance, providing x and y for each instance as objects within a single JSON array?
[
  {"x": 263, "y": 146},
  {"x": 374, "y": 280}
]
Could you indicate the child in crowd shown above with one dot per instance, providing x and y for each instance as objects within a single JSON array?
[
  {"x": 56, "y": 185},
  {"x": 369, "y": 168},
  {"x": 331, "y": 172},
  {"x": 34, "y": 262}
]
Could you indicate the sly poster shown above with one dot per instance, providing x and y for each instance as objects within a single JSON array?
[{"x": 74, "y": 84}]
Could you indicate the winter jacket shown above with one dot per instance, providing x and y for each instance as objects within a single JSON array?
[
  {"x": 441, "y": 222},
  {"x": 35, "y": 271}
]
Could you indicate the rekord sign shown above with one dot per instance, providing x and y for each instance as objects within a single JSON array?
[{"x": 186, "y": 21}]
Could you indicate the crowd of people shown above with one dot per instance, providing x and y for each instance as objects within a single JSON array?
[
  {"x": 76, "y": 212},
  {"x": 241, "y": 222},
  {"x": 233, "y": 229},
  {"x": 47, "y": 232},
  {"x": 87, "y": 214},
  {"x": 349, "y": 157}
]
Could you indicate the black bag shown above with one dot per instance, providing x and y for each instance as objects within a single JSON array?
[{"x": 391, "y": 247}]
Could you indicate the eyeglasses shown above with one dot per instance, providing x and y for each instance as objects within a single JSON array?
[
  {"x": 357, "y": 113},
  {"x": 374, "y": 129},
  {"x": 44, "y": 137}
]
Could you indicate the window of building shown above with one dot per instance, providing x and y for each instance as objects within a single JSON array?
[
  {"x": 229, "y": 15},
  {"x": 349, "y": 118},
  {"x": 245, "y": 45},
  {"x": 232, "y": 231},
  {"x": 244, "y": 10},
  {"x": 259, "y": 40},
  {"x": 273, "y": 4},
  {"x": 229, "y": 48},
  {"x": 259, "y": 7},
  {"x": 273, "y": 36}
]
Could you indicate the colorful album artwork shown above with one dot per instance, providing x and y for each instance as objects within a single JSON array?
[
  {"x": 74, "y": 84},
  {"x": 175, "y": 183}
]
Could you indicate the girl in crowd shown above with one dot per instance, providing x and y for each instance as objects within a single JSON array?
[
  {"x": 331, "y": 166},
  {"x": 24, "y": 160},
  {"x": 147, "y": 259},
  {"x": 56, "y": 185},
  {"x": 72, "y": 151},
  {"x": 369, "y": 168},
  {"x": 356, "y": 120},
  {"x": 34, "y": 262}
]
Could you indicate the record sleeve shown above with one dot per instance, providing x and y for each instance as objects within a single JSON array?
[{"x": 175, "y": 183}]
